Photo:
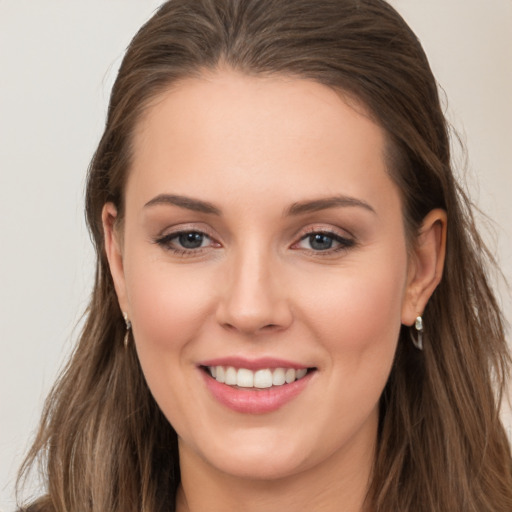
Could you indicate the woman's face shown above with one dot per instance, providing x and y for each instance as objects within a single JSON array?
[{"x": 263, "y": 240}]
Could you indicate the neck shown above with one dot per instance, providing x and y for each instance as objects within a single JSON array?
[{"x": 338, "y": 484}]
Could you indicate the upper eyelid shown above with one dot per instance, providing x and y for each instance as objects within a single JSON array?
[
  {"x": 341, "y": 236},
  {"x": 186, "y": 228},
  {"x": 167, "y": 237},
  {"x": 343, "y": 240},
  {"x": 328, "y": 230},
  {"x": 330, "y": 234},
  {"x": 167, "y": 242},
  {"x": 176, "y": 234}
]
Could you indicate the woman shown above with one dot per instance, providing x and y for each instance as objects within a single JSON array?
[{"x": 291, "y": 309}]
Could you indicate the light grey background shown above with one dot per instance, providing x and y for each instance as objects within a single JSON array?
[{"x": 58, "y": 60}]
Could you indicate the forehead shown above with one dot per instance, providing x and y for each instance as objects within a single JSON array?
[
  {"x": 230, "y": 97},
  {"x": 225, "y": 130}
]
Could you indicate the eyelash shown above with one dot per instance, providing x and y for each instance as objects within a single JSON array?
[
  {"x": 343, "y": 242},
  {"x": 166, "y": 242}
]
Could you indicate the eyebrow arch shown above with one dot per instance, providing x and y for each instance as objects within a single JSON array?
[
  {"x": 184, "y": 202},
  {"x": 316, "y": 205}
]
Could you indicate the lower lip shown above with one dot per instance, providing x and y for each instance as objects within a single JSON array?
[{"x": 251, "y": 401}]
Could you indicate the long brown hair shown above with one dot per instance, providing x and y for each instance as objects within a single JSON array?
[{"x": 105, "y": 445}]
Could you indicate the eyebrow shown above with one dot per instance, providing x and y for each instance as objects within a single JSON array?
[
  {"x": 325, "y": 203},
  {"x": 297, "y": 208},
  {"x": 195, "y": 205}
]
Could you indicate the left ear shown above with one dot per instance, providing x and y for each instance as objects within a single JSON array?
[{"x": 425, "y": 265}]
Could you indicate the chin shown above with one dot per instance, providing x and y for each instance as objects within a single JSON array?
[
  {"x": 259, "y": 457},
  {"x": 262, "y": 468}
]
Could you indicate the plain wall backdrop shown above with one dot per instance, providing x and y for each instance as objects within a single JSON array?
[{"x": 58, "y": 60}]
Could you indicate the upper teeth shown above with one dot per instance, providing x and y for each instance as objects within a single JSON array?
[{"x": 264, "y": 378}]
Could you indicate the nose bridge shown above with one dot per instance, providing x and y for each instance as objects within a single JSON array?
[{"x": 253, "y": 299}]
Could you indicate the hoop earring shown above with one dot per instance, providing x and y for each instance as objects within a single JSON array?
[
  {"x": 128, "y": 328},
  {"x": 418, "y": 325}
]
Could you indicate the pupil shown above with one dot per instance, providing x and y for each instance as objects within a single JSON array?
[
  {"x": 191, "y": 240},
  {"x": 320, "y": 242}
]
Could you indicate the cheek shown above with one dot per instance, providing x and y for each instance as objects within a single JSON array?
[
  {"x": 357, "y": 309},
  {"x": 168, "y": 305},
  {"x": 355, "y": 315},
  {"x": 167, "y": 302}
]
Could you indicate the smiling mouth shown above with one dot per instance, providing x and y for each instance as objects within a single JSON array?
[{"x": 264, "y": 378}]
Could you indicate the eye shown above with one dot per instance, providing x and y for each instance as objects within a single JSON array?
[
  {"x": 186, "y": 241},
  {"x": 321, "y": 241},
  {"x": 191, "y": 240}
]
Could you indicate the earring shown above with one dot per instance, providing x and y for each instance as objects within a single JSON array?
[
  {"x": 418, "y": 325},
  {"x": 128, "y": 327}
]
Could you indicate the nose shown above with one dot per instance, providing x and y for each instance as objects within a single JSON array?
[{"x": 254, "y": 295}]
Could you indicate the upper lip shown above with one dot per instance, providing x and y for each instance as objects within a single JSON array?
[{"x": 253, "y": 364}]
